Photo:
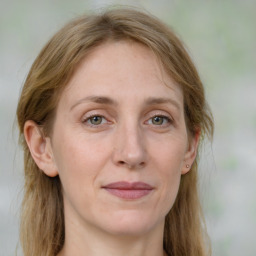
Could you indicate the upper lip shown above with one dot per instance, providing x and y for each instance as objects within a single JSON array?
[{"x": 124, "y": 185}]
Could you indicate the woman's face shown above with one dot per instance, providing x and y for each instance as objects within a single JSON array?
[{"x": 119, "y": 141}]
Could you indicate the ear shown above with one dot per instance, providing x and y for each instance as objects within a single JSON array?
[
  {"x": 191, "y": 152},
  {"x": 40, "y": 148}
]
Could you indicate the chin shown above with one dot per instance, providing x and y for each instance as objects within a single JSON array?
[{"x": 131, "y": 224}]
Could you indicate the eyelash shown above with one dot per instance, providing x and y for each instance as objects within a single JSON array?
[
  {"x": 166, "y": 120},
  {"x": 89, "y": 118}
]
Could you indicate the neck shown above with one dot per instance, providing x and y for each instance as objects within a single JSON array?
[{"x": 93, "y": 242}]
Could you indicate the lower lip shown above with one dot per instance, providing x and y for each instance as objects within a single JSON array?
[{"x": 129, "y": 193}]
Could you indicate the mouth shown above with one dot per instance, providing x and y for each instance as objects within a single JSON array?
[{"x": 127, "y": 190}]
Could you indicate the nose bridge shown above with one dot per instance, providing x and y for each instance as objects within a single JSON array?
[{"x": 130, "y": 145}]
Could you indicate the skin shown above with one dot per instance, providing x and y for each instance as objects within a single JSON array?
[{"x": 121, "y": 118}]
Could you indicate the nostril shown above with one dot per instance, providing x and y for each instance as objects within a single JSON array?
[
  {"x": 142, "y": 164},
  {"x": 131, "y": 166}
]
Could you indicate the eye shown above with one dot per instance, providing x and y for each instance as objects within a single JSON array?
[
  {"x": 95, "y": 120},
  {"x": 159, "y": 120}
]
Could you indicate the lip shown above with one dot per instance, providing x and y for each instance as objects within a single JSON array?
[{"x": 128, "y": 190}]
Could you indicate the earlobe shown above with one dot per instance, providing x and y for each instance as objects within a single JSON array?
[
  {"x": 191, "y": 153},
  {"x": 40, "y": 148}
]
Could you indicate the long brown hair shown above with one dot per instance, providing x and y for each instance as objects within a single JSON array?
[{"x": 42, "y": 219}]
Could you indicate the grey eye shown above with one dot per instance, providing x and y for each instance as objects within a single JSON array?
[
  {"x": 158, "y": 120},
  {"x": 95, "y": 120}
]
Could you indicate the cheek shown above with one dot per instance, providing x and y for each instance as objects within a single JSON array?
[
  {"x": 170, "y": 172},
  {"x": 169, "y": 187},
  {"x": 169, "y": 161},
  {"x": 169, "y": 153},
  {"x": 79, "y": 165},
  {"x": 79, "y": 160}
]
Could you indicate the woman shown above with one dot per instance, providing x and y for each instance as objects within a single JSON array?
[{"x": 110, "y": 117}]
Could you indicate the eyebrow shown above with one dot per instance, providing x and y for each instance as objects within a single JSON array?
[
  {"x": 95, "y": 99},
  {"x": 108, "y": 101},
  {"x": 157, "y": 101}
]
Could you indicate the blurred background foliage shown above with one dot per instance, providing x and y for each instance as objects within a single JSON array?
[{"x": 221, "y": 38}]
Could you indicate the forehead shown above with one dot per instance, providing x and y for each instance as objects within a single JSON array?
[{"x": 126, "y": 67}]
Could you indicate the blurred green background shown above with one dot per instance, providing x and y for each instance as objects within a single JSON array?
[{"x": 221, "y": 38}]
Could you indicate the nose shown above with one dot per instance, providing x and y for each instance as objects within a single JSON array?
[{"x": 129, "y": 148}]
